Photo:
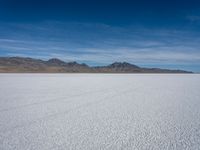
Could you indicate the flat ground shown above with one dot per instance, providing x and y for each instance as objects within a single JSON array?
[{"x": 99, "y": 111}]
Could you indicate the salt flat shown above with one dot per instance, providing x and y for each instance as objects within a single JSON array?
[{"x": 99, "y": 111}]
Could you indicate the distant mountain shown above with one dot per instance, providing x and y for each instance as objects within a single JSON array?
[
  {"x": 54, "y": 65},
  {"x": 26, "y": 65},
  {"x": 125, "y": 67},
  {"x": 119, "y": 67}
]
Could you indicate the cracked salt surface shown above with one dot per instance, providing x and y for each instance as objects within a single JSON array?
[{"x": 99, "y": 111}]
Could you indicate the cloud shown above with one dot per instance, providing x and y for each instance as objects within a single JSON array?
[
  {"x": 193, "y": 18},
  {"x": 100, "y": 43},
  {"x": 106, "y": 56}
]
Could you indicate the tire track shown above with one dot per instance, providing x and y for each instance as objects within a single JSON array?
[
  {"x": 54, "y": 100},
  {"x": 52, "y": 116}
]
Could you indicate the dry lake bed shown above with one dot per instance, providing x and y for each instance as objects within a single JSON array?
[{"x": 99, "y": 111}]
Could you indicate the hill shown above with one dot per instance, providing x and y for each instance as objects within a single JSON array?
[{"x": 54, "y": 65}]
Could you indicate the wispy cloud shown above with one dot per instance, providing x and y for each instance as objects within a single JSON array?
[
  {"x": 100, "y": 43},
  {"x": 193, "y": 17}
]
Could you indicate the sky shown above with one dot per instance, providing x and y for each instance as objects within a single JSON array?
[{"x": 148, "y": 33}]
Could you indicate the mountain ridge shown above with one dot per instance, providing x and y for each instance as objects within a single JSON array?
[{"x": 55, "y": 65}]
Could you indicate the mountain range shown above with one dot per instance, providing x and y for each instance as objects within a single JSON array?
[{"x": 54, "y": 65}]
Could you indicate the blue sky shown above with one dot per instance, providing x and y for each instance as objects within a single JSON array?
[{"x": 153, "y": 33}]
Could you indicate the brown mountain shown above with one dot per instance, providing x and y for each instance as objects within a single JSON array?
[
  {"x": 54, "y": 65},
  {"x": 26, "y": 65}
]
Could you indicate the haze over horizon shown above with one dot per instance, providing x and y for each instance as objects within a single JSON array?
[{"x": 163, "y": 34}]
